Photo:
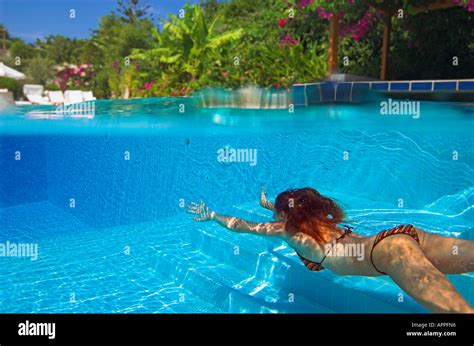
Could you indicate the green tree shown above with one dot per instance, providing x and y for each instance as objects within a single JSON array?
[
  {"x": 423, "y": 46},
  {"x": 264, "y": 60},
  {"x": 40, "y": 70},
  {"x": 60, "y": 49},
  {"x": 210, "y": 8},
  {"x": 110, "y": 51},
  {"x": 131, "y": 11},
  {"x": 415, "y": 40},
  {"x": 22, "y": 50},
  {"x": 188, "y": 46}
]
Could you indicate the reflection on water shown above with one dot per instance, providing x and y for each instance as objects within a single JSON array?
[{"x": 249, "y": 97}]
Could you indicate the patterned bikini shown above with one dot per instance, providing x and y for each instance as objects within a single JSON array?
[{"x": 400, "y": 229}]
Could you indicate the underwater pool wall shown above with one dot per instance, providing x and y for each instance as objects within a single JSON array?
[
  {"x": 89, "y": 176},
  {"x": 23, "y": 175}
]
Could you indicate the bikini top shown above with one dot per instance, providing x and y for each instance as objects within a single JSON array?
[
  {"x": 318, "y": 266},
  {"x": 408, "y": 229}
]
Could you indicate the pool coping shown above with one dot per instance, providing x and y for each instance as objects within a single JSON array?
[{"x": 359, "y": 91}]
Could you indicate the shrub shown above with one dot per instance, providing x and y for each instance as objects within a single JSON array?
[
  {"x": 52, "y": 87},
  {"x": 39, "y": 70},
  {"x": 12, "y": 85}
]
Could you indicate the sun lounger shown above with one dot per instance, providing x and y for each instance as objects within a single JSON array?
[
  {"x": 88, "y": 96},
  {"x": 56, "y": 97},
  {"x": 73, "y": 96},
  {"x": 34, "y": 94},
  {"x": 22, "y": 103}
]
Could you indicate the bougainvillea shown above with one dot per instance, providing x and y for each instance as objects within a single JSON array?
[
  {"x": 335, "y": 6},
  {"x": 470, "y": 6},
  {"x": 324, "y": 14},
  {"x": 288, "y": 41},
  {"x": 74, "y": 76},
  {"x": 364, "y": 14},
  {"x": 361, "y": 27}
]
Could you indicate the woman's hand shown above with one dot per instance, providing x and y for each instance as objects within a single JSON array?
[
  {"x": 264, "y": 202},
  {"x": 263, "y": 197},
  {"x": 235, "y": 224},
  {"x": 201, "y": 210}
]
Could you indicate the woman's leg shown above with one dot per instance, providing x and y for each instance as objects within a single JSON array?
[
  {"x": 450, "y": 255},
  {"x": 404, "y": 261}
]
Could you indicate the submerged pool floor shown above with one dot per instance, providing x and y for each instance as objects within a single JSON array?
[{"x": 176, "y": 265}]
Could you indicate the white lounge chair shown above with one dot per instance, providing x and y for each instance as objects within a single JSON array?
[
  {"x": 34, "y": 94},
  {"x": 88, "y": 96},
  {"x": 22, "y": 103},
  {"x": 56, "y": 97},
  {"x": 73, "y": 96}
]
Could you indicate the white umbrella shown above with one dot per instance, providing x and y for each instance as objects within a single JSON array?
[{"x": 6, "y": 71}]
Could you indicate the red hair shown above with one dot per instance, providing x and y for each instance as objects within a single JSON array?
[{"x": 307, "y": 210}]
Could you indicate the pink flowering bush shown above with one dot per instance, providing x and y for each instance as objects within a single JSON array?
[
  {"x": 468, "y": 4},
  {"x": 165, "y": 87},
  {"x": 324, "y": 14},
  {"x": 75, "y": 76},
  {"x": 360, "y": 28},
  {"x": 288, "y": 41}
]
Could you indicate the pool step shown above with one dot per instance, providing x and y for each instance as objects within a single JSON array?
[
  {"x": 90, "y": 264},
  {"x": 229, "y": 288},
  {"x": 273, "y": 262},
  {"x": 264, "y": 264},
  {"x": 350, "y": 294},
  {"x": 234, "y": 250}
]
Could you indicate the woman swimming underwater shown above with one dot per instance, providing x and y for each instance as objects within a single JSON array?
[{"x": 415, "y": 259}]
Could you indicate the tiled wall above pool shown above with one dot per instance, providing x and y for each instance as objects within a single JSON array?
[{"x": 360, "y": 91}]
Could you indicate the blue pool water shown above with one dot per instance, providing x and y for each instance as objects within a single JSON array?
[{"x": 113, "y": 237}]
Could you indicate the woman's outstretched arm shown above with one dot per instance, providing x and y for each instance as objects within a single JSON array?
[
  {"x": 276, "y": 229},
  {"x": 264, "y": 202}
]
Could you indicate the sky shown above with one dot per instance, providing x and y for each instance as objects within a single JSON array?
[{"x": 33, "y": 19}]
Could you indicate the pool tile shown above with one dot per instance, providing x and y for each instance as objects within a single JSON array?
[
  {"x": 421, "y": 86},
  {"x": 466, "y": 85},
  {"x": 328, "y": 92},
  {"x": 343, "y": 92},
  {"x": 313, "y": 93},
  {"x": 445, "y": 86},
  {"x": 380, "y": 86},
  {"x": 399, "y": 86},
  {"x": 299, "y": 98},
  {"x": 360, "y": 92}
]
